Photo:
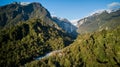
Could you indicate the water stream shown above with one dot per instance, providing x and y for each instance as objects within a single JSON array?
[{"x": 48, "y": 54}]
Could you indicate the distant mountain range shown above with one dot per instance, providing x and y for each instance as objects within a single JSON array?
[
  {"x": 99, "y": 21},
  {"x": 14, "y": 13}
]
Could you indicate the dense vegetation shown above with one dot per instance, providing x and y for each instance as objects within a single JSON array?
[
  {"x": 23, "y": 39},
  {"x": 99, "y": 49},
  {"x": 26, "y": 40}
]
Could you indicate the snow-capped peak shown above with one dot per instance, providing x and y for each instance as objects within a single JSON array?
[
  {"x": 24, "y": 3},
  {"x": 97, "y": 12}
]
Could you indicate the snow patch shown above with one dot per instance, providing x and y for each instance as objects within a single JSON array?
[
  {"x": 75, "y": 22},
  {"x": 97, "y": 12},
  {"x": 24, "y": 3}
]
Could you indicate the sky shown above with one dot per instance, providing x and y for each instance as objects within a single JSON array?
[{"x": 71, "y": 9}]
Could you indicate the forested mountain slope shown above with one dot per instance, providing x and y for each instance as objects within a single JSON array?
[
  {"x": 89, "y": 50},
  {"x": 25, "y": 41}
]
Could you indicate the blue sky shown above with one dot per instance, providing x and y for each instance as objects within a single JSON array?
[{"x": 70, "y": 9}]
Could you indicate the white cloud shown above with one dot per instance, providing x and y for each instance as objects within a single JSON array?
[{"x": 114, "y": 5}]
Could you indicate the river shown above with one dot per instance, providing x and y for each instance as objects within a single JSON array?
[{"x": 49, "y": 54}]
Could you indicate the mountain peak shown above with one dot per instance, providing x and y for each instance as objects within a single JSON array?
[
  {"x": 15, "y": 12},
  {"x": 24, "y": 3}
]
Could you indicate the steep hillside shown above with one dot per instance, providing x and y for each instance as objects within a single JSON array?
[
  {"x": 100, "y": 49},
  {"x": 99, "y": 21},
  {"x": 25, "y": 41}
]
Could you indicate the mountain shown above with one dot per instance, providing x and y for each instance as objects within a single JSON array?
[
  {"x": 21, "y": 43},
  {"x": 66, "y": 25},
  {"x": 99, "y": 21},
  {"x": 12, "y": 14},
  {"x": 28, "y": 31},
  {"x": 98, "y": 49}
]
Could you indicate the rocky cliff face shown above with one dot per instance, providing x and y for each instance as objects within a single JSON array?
[{"x": 13, "y": 13}]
